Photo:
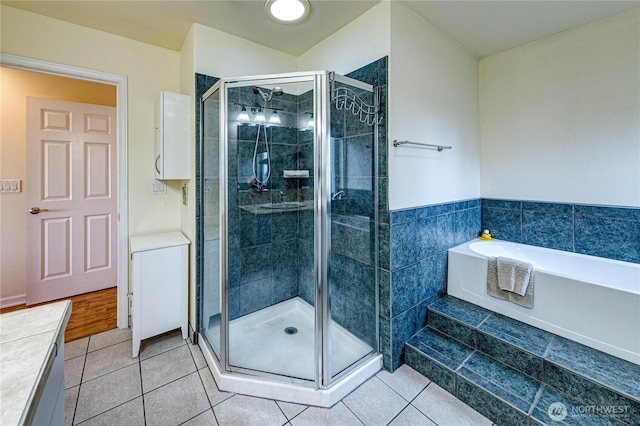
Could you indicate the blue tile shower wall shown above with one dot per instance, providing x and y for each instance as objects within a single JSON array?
[
  {"x": 413, "y": 267},
  {"x": 610, "y": 232},
  {"x": 263, "y": 248},
  {"x": 353, "y": 270}
]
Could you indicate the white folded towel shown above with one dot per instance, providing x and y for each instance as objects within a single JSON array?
[{"x": 514, "y": 275}]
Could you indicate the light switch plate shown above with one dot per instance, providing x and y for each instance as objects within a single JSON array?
[
  {"x": 10, "y": 185},
  {"x": 157, "y": 187}
]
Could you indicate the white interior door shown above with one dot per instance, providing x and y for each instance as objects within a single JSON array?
[{"x": 72, "y": 201}]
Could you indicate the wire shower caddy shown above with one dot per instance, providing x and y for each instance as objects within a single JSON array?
[{"x": 348, "y": 100}]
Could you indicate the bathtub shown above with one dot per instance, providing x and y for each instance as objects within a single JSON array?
[{"x": 588, "y": 299}]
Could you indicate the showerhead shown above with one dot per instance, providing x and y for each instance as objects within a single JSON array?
[{"x": 276, "y": 91}]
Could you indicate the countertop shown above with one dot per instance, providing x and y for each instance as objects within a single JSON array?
[
  {"x": 157, "y": 241},
  {"x": 27, "y": 349}
]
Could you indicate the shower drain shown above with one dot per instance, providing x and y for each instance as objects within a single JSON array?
[{"x": 290, "y": 330}]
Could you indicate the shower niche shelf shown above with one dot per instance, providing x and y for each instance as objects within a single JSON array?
[
  {"x": 295, "y": 174},
  {"x": 285, "y": 206}
]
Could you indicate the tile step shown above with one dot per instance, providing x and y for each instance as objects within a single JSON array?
[
  {"x": 499, "y": 392},
  {"x": 586, "y": 376},
  {"x": 544, "y": 356}
]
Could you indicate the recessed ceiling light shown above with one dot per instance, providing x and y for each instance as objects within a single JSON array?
[{"x": 287, "y": 11}]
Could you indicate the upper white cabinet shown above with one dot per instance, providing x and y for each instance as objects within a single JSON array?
[{"x": 172, "y": 159}]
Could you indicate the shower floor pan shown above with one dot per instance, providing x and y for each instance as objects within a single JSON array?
[
  {"x": 265, "y": 341},
  {"x": 258, "y": 342}
]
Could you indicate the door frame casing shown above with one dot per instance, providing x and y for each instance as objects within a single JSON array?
[{"x": 120, "y": 81}]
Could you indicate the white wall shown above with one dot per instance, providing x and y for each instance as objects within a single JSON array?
[
  {"x": 433, "y": 98},
  {"x": 362, "y": 41},
  {"x": 560, "y": 117},
  {"x": 220, "y": 54},
  {"x": 149, "y": 70}
]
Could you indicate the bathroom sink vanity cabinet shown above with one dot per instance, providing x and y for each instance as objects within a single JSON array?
[
  {"x": 32, "y": 365},
  {"x": 172, "y": 137},
  {"x": 159, "y": 273}
]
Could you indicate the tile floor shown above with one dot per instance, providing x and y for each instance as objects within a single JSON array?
[{"x": 170, "y": 384}]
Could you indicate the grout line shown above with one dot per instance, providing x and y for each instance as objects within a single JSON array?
[
  {"x": 191, "y": 418},
  {"x": 280, "y": 408},
  {"x": 204, "y": 387},
  {"x": 84, "y": 365},
  {"x": 536, "y": 399},
  {"x": 113, "y": 408},
  {"x": 109, "y": 372},
  {"x": 214, "y": 416},
  {"x": 491, "y": 313},
  {"x": 112, "y": 344},
  {"x": 396, "y": 416},
  {"x": 425, "y": 414},
  {"x": 351, "y": 411},
  {"x": 144, "y": 409},
  {"x": 107, "y": 347},
  {"x": 546, "y": 351},
  {"x": 463, "y": 363},
  {"x": 396, "y": 392},
  {"x": 303, "y": 410},
  {"x": 75, "y": 405},
  {"x": 393, "y": 390}
]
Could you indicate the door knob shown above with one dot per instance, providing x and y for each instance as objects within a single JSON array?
[{"x": 36, "y": 210}]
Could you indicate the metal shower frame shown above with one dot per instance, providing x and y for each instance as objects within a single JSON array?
[{"x": 323, "y": 95}]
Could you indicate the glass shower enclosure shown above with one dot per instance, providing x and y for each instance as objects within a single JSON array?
[{"x": 289, "y": 289}]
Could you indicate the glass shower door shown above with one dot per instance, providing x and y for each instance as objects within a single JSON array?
[
  {"x": 271, "y": 290},
  {"x": 353, "y": 282},
  {"x": 210, "y": 295}
]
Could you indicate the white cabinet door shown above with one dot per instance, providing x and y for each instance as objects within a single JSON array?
[
  {"x": 173, "y": 135},
  {"x": 159, "y": 273}
]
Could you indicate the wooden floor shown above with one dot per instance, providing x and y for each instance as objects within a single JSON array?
[{"x": 91, "y": 313}]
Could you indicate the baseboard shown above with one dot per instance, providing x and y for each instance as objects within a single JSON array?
[{"x": 7, "y": 302}]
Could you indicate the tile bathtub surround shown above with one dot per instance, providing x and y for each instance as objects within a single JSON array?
[
  {"x": 413, "y": 266},
  {"x": 170, "y": 384},
  {"x": 603, "y": 231}
]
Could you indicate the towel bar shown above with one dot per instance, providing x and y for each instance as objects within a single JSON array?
[{"x": 397, "y": 143}]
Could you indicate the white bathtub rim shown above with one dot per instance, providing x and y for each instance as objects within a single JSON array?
[{"x": 466, "y": 249}]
